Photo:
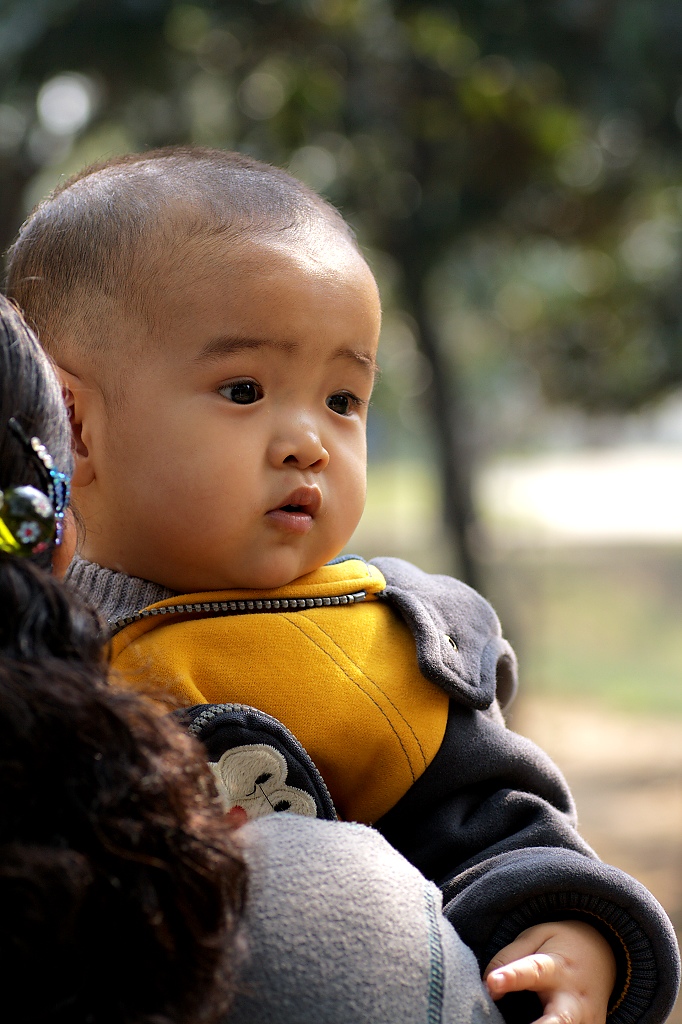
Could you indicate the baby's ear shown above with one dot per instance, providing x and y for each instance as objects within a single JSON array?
[{"x": 78, "y": 401}]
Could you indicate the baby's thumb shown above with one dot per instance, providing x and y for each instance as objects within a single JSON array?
[
  {"x": 499, "y": 960},
  {"x": 523, "y": 945}
]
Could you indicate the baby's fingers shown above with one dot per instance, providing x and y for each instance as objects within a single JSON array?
[
  {"x": 562, "y": 1008},
  {"x": 538, "y": 972}
]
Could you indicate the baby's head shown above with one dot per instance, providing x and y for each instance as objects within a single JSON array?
[{"x": 217, "y": 328}]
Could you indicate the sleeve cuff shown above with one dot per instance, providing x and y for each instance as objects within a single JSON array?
[{"x": 518, "y": 890}]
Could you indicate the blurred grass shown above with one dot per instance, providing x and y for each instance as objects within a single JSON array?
[{"x": 602, "y": 623}]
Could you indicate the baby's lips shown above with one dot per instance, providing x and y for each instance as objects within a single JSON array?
[{"x": 307, "y": 499}]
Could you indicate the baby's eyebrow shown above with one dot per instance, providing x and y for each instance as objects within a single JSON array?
[
  {"x": 367, "y": 361},
  {"x": 218, "y": 347}
]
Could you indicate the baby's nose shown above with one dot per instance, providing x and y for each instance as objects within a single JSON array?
[{"x": 299, "y": 446}]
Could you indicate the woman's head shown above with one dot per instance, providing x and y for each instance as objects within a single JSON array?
[
  {"x": 36, "y": 620},
  {"x": 119, "y": 888},
  {"x": 29, "y": 390},
  {"x": 31, "y": 406}
]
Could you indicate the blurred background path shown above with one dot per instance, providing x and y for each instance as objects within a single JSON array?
[{"x": 626, "y": 775}]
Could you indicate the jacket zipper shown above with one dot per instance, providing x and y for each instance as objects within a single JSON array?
[{"x": 221, "y": 608}]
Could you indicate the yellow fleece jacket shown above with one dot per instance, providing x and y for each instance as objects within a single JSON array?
[{"x": 341, "y": 673}]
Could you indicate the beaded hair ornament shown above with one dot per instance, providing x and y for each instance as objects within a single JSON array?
[{"x": 32, "y": 520}]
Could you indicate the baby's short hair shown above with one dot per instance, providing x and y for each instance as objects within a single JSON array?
[{"x": 104, "y": 232}]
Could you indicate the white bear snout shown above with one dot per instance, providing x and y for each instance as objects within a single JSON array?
[{"x": 253, "y": 777}]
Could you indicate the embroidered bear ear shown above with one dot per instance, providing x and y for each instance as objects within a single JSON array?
[
  {"x": 258, "y": 764},
  {"x": 457, "y": 634}
]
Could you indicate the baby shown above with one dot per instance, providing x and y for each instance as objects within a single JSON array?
[{"x": 216, "y": 330}]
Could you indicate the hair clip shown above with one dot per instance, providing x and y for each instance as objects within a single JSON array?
[
  {"x": 27, "y": 521},
  {"x": 30, "y": 519}
]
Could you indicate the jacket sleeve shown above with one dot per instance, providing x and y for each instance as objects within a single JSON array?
[{"x": 492, "y": 821}]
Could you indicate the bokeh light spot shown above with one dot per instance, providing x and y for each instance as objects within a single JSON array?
[
  {"x": 261, "y": 95},
  {"x": 314, "y": 165},
  {"x": 66, "y": 103}
]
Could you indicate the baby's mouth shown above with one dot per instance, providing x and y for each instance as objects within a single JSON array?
[
  {"x": 302, "y": 501},
  {"x": 298, "y": 510}
]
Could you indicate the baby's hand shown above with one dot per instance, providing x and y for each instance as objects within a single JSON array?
[{"x": 568, "y": 963}]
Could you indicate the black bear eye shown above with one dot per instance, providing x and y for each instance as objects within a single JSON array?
[
  {"x": 282, "y": 805},
  {"x": 263, "y": 778}
]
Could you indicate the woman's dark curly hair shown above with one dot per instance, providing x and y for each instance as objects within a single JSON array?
[{"x": 120, "y": 888}]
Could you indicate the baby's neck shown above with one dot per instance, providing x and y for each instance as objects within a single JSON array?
[{"x": 114, "y": 594}]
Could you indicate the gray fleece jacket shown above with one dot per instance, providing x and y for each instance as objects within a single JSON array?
[{"x": 340, "y": 929}]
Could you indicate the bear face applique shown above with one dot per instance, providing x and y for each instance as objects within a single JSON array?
[{"x": 253, "y": 778}]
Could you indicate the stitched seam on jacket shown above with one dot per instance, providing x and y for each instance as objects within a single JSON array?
[
  {"x": 375, "y": 684},
  {"x": 357, "y": 686},
  {"x": 434, "y": 1013}
]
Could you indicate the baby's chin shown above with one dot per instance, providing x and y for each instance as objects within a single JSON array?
[{"x": 267, "y": 577}]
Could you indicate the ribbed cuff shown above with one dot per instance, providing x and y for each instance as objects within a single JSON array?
[
  {"x": 636, "y": 973},
  {"x": 493, "y": 901}
]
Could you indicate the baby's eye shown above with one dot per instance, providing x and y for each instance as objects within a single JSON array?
[
  {"x": 243, "y": 392},
  {"x": 343, "y": 403}
]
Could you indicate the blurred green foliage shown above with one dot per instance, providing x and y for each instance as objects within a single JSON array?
[
  {"x": 511, "y": 166},
  {"x": 601, "y": 625}
]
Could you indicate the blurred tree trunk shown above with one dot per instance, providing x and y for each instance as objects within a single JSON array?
[
  {"x": 451, "y": 429},
  {"x": 13, "y": 181}
]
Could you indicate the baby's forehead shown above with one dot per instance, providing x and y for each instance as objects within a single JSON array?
[
  {"x": 186, "y": 228},
  {"x": 226, "y": 295},
  {"x": 191, "y": 262}
]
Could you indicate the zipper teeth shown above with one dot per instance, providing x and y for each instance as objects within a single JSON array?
[
  {"x": 212, "y": 712},
  {"x": 218, "y": 608}
]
